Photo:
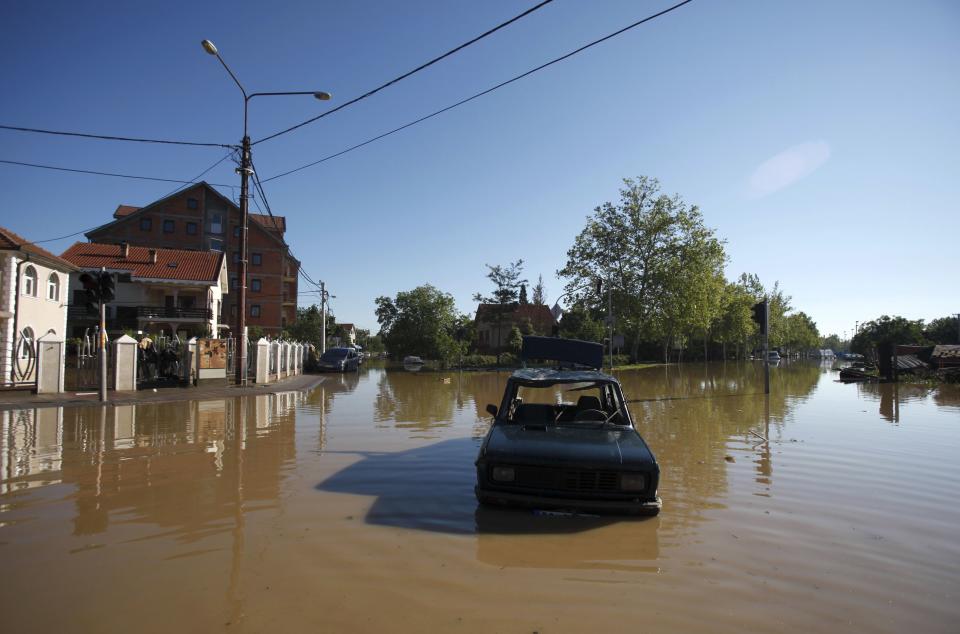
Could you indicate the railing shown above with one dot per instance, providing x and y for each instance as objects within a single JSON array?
[{"x": 169, "y": 312}]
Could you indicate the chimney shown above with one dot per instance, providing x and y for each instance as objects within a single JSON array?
[
  {"x": 124, "y": 250},
  {"x": 153, "y": 256}
]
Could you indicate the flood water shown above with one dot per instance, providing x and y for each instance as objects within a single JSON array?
[{"x": 350, "y": 508}]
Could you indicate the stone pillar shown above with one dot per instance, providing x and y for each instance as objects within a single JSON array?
[
  {"x": 262, "y": 356},
  {"x": 188, "y": 363},
  {"x": 276, "y": 356},
  {"x": 51, "y": 351},
  {"x": 298, "y": 358},
  {"x": 124, "y": 363},
  {"x": 286, "y": 357}
]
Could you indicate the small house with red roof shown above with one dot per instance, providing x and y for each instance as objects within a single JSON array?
[
  {"x": 169, "y": 291},
  {"x": 494, "y": 322}
]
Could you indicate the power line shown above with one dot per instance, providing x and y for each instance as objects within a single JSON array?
[
  {"x": 201, "y": 174},
  {"x": 482, "y": 93},
  {"x": 96, "y": 173},
  {"x": 408, "y": 73},
  {"x": 105, "y": 137}
]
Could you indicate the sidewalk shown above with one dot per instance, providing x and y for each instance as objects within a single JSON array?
[{"x": 25, "y": 399}]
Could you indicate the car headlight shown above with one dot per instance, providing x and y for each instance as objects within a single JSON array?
[
  {"x": 503, "y": 474},
  {"x": 633, "y": 481}
]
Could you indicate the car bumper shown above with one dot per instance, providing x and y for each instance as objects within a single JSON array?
[{"x": 626, "y": 507}]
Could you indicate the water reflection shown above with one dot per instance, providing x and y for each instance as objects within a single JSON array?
[{"x": 169, "y": 464}]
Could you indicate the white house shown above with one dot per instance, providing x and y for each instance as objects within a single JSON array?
[
  {"x": 34, "y": 287},
  {"x": 170, "y": 291}
]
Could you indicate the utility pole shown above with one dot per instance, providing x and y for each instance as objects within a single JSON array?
[
  {"x": 244, "y": 170},
  {"x": 610, "y": 317},
  {"x": 766, "y": 346},
  {"x": 102, "y": 345},
  {"x": 323, "y": 317}
]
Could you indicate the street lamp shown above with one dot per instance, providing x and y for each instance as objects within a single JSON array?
[{"x": 245, "y": 170}]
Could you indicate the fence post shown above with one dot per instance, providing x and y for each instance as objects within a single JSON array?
[
  {"x": 50, "y": 362},
  {"x": 276, "y": 349},
  {"x": 125, "y": 363},
  {"x": 189, "y": 362},
  {"x": 263, "y": 361}
]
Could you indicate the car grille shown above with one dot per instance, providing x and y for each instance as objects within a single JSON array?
[{"x": 578, "y": 481}]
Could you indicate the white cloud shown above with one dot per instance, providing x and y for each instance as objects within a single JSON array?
[{"x": 787, "y": 167}]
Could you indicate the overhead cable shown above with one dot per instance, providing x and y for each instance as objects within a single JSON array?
[
  {"x": 105, "y": 137},
  {"x": 482, "y": 93},
  {"x": 408, "y": 73},
  {"x": 97, "y": 173}
]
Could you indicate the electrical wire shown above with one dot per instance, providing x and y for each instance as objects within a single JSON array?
[
  {"x": 482, "y": 93},
  {"x": 105, "y": 137},
  {"x": 230, "y": 153},
  {"x": 408, "y": 73},
  {"x": 97, "y": 173}
]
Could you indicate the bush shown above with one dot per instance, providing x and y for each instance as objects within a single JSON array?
[{"x": 479, "y": 361}]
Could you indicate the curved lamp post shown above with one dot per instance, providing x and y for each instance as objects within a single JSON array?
[{"x": 245, "y": 170}]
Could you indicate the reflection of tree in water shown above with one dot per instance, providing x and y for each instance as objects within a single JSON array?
[
  {"x": 333, "y": 386},
  {"x": 429, "y": 400},
  {"x": 690, "y": 414},
  {"x": 892, "y": 395}
]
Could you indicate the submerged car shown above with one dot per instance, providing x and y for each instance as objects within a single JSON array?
[
  {"x": 339, "y": 360},
  {"x": 562, "y": 438}
]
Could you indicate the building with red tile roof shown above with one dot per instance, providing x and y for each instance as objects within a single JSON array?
[
  {"x": 494, "y": 323},
  {"x": 199, "y": 218},
  {"x": 157, "y": 290}
]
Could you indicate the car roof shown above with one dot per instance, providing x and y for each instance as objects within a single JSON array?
[{"x": 544, "y": 377}]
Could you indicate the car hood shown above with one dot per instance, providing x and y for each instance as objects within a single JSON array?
[{"x": 568, "y": 446}]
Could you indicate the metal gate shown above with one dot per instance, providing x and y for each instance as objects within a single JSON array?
[
  {"x": 160, "y": 360},
  {"x": 85, "y": 371}
]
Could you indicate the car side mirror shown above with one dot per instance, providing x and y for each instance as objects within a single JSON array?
[{"x": 492, "y": 410}]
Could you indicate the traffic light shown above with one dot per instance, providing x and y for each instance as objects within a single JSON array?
[
  {"x": 98, "y": 288},
  {"x": 760, "y": 316},
  {"x": 599, "y": 286},
  {"x": 106, "y": 288}
]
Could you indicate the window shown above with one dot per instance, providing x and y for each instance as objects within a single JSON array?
[
  {"x": 216, "y": 245},
  {"x": 168, "y": 226},
  {"x": 192, "y": 203},
  {"x": 53, "y": 287},
  {"x": 26, "y": 343},
  {"x": 237, "y": 231},
  {"x": 255, "y": 285},
  {"x": 236, "y": 257},
  {"x": 30, "y": 281},
  {"x": 191, "y": 228},
  {"x": 257, "y": 259},
  {"x": 216, "y": 223},
  {"x": 255, "y": 310},
  {"x": 146, "y": 224},
  {"x": 233, "y": 311},
  {"x": 233, "y": 283}
]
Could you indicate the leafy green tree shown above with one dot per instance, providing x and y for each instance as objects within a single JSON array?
[
  {"x": 422, "y": 321},
  {"x": 887, "y": 330},
  {"x": 516, "y": 339},
  {"x": 577, "y": 323},
  {"x": 308, "y": 328},
  {"x": 645, "y": 247},
  {"x": 944, "y": 330},
  {"x": 507, "y": 284},
  {"x": 801, "y": 332},
  {"x": 832, "y": 342},
  {"x": 523, "y": 295},
  {"x": 735, "y": 325}
]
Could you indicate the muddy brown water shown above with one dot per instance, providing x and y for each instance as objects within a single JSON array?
[{"x": 350, "y": 509}]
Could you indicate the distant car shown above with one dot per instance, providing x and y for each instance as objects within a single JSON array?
[
  {"x": 773, "y": 355},
  {"x": 544, "y": 451},
  {"x": 339, "y": 360}
]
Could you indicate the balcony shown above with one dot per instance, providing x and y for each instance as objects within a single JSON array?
[{"x": 165, "y": 312}]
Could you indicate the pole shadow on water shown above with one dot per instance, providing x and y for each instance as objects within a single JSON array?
[{"x": 431, "y": 488}]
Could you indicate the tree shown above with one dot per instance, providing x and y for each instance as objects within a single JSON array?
[
  {"x": 735, "y": 325},
  {"x": 539, "y": 293},
  {"x": 523, "y": 294},
  {"x": 944, "y": 330},
  {"x": 887, "y": 330},
  {"x": 507, "y": 284},
  {"x": 422, "y": 321},
  {"x": 647, "y": 248},
  {"x": 577, "y": 323},
  {"x": 516, "y": 340},
  {"x": 307, "y": 327}
]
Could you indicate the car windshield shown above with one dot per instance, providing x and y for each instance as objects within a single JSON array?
[
  {"x": 567, "y": 404},
  {"x": 334, "y": 354}
]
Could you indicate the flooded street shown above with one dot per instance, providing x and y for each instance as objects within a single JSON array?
[{"x": 350, "y": 508}]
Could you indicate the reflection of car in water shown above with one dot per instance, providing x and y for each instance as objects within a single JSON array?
[
  {"x": 545, "y": 450},
  {"x": 339, "y": 359}
]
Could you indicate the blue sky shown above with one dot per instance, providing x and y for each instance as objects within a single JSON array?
[{"x": 819, "y": 138}]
